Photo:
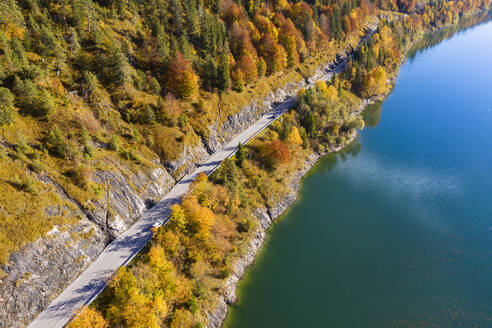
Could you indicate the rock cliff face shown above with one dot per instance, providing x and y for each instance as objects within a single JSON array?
[
  {"x": 39, "y": 271},
  {"x": 127, "y": 197},
  {"x": 187, "y": 160}
]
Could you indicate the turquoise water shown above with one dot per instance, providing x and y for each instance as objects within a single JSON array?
[{"x": 396, "y": 231}]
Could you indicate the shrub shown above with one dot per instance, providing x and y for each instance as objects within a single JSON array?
[
  {"x": 182, "y": 120},
  {"x": 29, "y": 185},
  {"x": 146, "y": 115},
  {"x": 170, "y": 111},
  {"x": 129, "y": 155},
  {"x": 91, "y": 88},
  {"x": 80, "y": 176},
  {"x": 86, "y": 141},
  {"x": 36, "y": 167},
  {"x": 22, "y": 147},
  {"x": 56, "y": 143},
  {"x": 6, "y": 106},
  {"x": 245, "y": 225},
  {"x": 261, "y": 67},
  {"x": 114, "y": 143},
  {"x": 192, "y": 305}
]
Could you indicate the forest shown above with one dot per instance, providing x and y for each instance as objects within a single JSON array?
[
  {"x": 176, "y": 281},
  {"x": 84, "y": 83}
]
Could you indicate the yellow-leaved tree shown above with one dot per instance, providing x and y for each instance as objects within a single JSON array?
[
  {"x": 130, "y": 307},
  {"x": 294, "y": 137},
  {"x": 200, "y": 218},
  {"x": 88, "y": 318},
  {"x": 375, "y": 82}
]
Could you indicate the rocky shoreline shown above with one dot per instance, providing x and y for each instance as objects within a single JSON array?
[{"x": 266, "y": 217}]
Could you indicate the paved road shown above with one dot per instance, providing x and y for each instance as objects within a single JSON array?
[{"x": 122, "y": 250}]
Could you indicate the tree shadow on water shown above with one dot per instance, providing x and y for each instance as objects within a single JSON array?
[
  {"x": 372, "y": 115},
  {"x": 330, "y": 161}
]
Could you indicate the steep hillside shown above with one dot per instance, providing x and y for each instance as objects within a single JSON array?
[
  {"x": 188, "y": 275},
  {"x": 104, "y": 104},
  {"x": 128, "y": 87}
]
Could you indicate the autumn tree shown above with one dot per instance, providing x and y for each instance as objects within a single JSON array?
[
  {"x": 177, "y": 219},
  {"x": 181, "y": 80},
  {"x": 375, "y": 82},
  {"x": 287, "y": 38},
  {"x": 130, "y": 307},
  {"x": 273, "y": 54},
  {"x": 240, "y": 41},
  {"x": 248, "y": 67},
  {"x": 88, "y": 317},
  {"x": 273, "y": 153},
  {"x": 237, "y": 77},
  {"x": 325, "y": 25},
  {"x": 261, "y": 66},
  {"x": 294, "y": 138},
  {"x": 200, "y": 218},
  {"x": 182, "y": 318},
  {"x": 231, "y": 12}
]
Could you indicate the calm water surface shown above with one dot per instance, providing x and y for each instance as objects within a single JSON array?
[{"x": 396, "y": 231}]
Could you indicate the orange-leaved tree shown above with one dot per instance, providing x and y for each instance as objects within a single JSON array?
[
  {"x": 273, "y": 153},
  {"x": 181, "y": 80}
]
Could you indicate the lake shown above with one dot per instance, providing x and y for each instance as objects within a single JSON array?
[{"x": 396, "y": 230}]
